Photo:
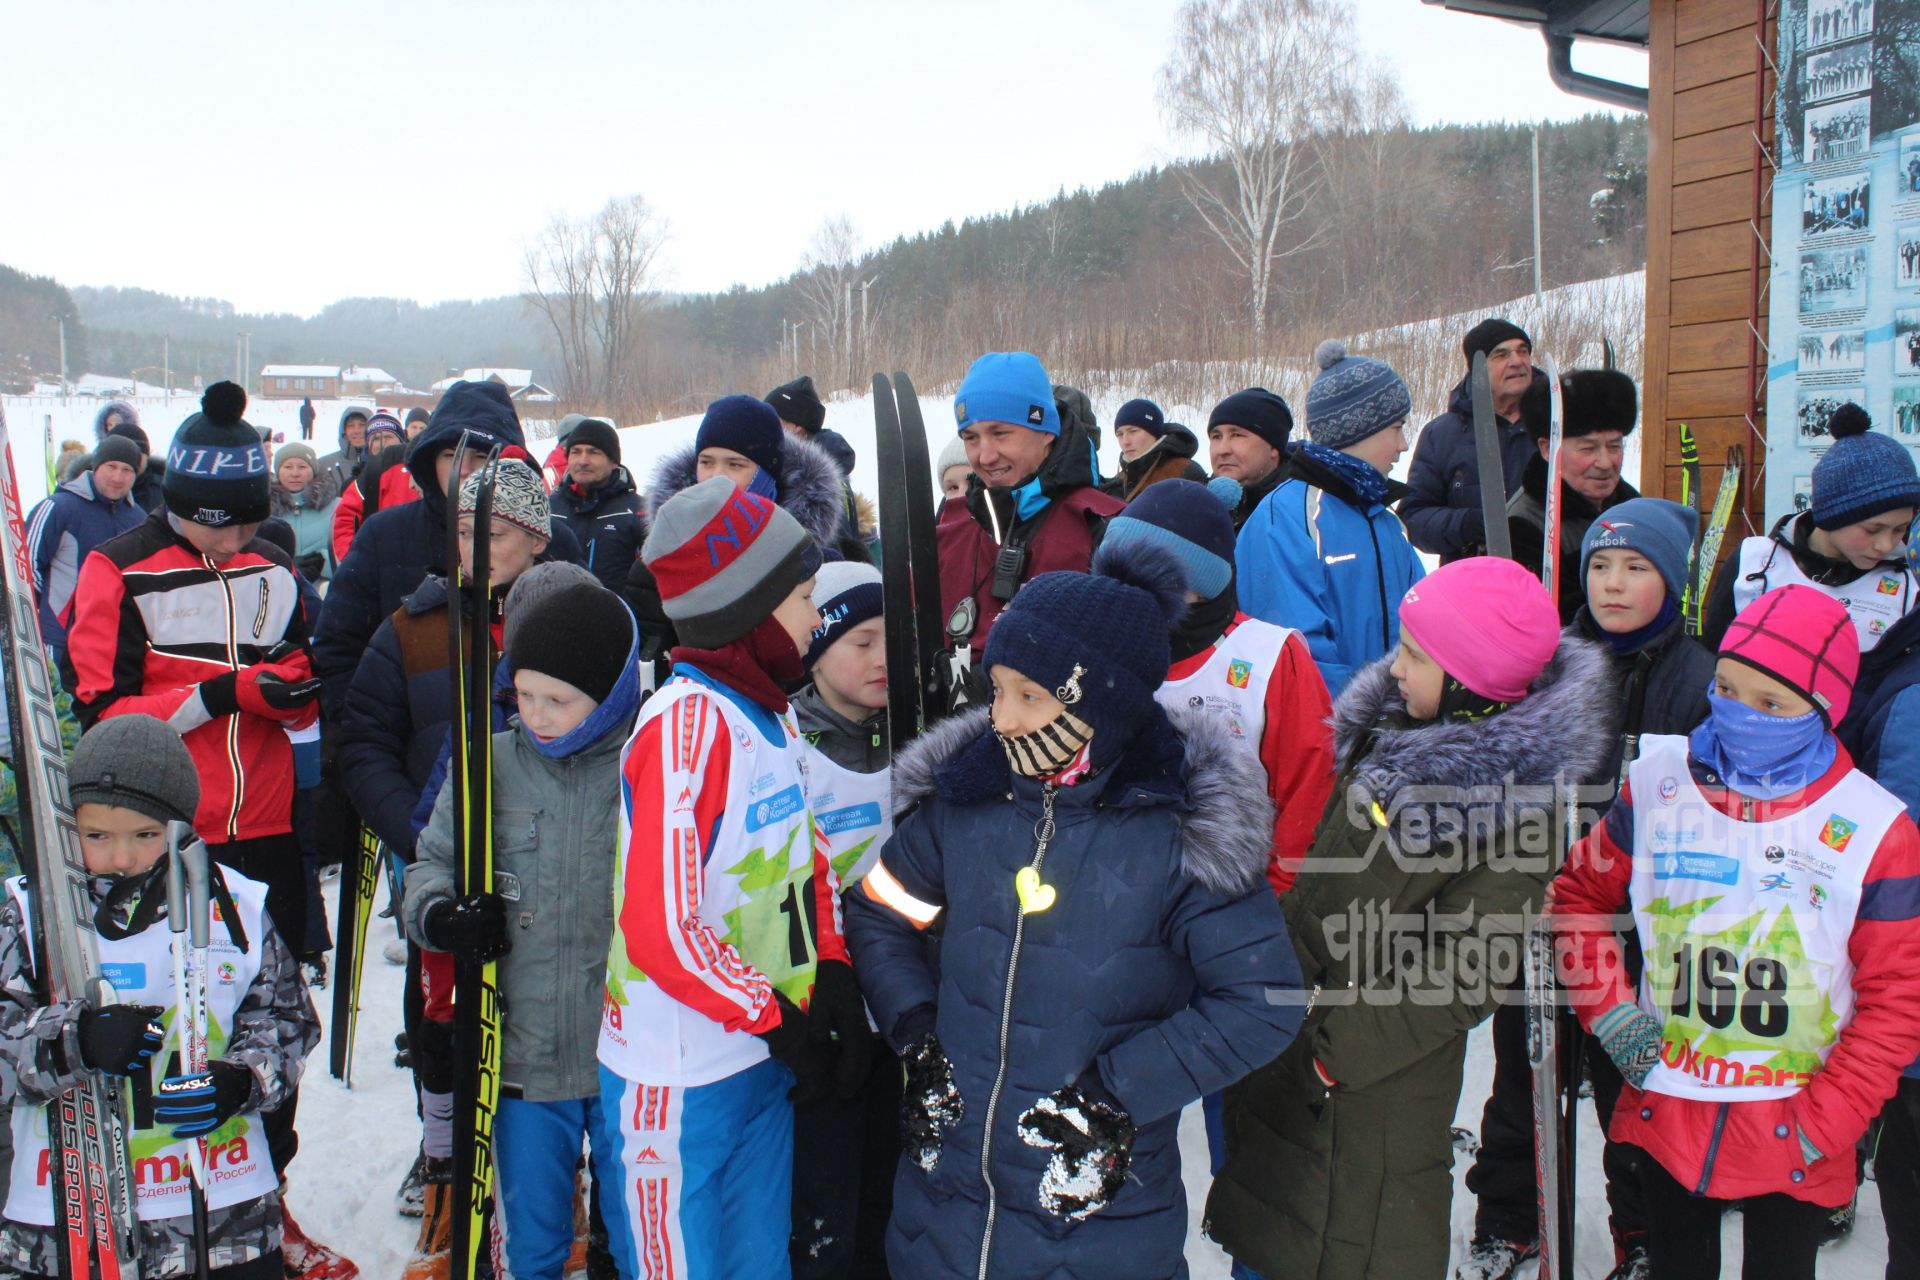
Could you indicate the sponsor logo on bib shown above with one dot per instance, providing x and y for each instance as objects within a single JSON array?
[
  {"x": 1778, "y": 880},
  {"x": 1238, "y": 673},
  {"x": 775, "y": 808},
  {"x": 1669, "y": 789},
  {"x": 1817, "y": 897},
  {"x": 1889, "y": 586},
  {"x": 1837, "y": 832},
  {"x": 1697, "y": 866},
  {"x": 1776, "y": 854}
]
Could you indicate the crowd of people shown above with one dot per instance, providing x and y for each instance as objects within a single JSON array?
[{"x": 1250, "y": 809}]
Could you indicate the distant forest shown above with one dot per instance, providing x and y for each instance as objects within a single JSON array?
[{"x": 1400, "y": 224}]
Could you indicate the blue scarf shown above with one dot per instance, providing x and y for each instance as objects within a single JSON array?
[
  {"x": 610, "y": 715},
  {"x": 1361, "y": 476},
  {"x": 763, "y": 485},
  {"x": 1634, "y": 641},
  {"x": 1759, "y": 755}
]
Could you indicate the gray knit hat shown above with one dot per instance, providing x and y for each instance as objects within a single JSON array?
[
  {"x": 954, "y": 455},
  {"x": 117, "y": 449},
  {"x": 1353, "y": 397},
  {"x": 724, "y": 559},
  {"x": 135, "y": 762},
  {"x": 537, "y": 584},
  {"x": 519, "y": 497},
  {"x": 291, "y": 450}
]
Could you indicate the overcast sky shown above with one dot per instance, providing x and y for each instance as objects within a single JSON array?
[{"x": 282, "y": 155}]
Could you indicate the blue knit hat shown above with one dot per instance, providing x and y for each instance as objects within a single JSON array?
[
  {"x": 748, "y": 426},
  {"x": 1193, "y": 521},
  {"x": 1144, "y": 414},
  {"x": 1007, "y": 386},
  {"x": 1863, "y": 475},
  {"x": 1099, "y": 640},
  {"x": 1659, "y": 530},
  {"x": 1354, "y": 397},
  {"x": 847, "y": 593}
]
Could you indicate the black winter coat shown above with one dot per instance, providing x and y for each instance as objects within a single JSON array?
[
  {"x": 1526, "y": 525},
  {"x": 609, "y": 523},
  {"x": 1442, "y": 514},
  {"x": 1662, "y": 685}
]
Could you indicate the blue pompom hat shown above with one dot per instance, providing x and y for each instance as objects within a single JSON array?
[
  {"x": 1354, "y": 397},
  {"x": 1193, "y": 521},
  {"x": 1863, "y": 475},
  {"x": 1007, "y": 386}
]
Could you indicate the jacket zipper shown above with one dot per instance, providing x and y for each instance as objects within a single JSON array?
[
  {"x": 1713, "y": 1149},
  {"x": 233, "y": 721},
  {"x": 1387, "y": 638},
  {"x": 1042, "y": 836}
]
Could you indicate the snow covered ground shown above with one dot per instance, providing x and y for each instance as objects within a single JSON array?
[{"x": 355, "y": 1147}]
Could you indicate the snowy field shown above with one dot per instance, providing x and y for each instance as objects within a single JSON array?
[{"x": 355, "y": 1147}]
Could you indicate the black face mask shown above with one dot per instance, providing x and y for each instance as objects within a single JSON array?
[
  {"x": 1457, "y": 702},
  {"x": 1204, "y": 622}
]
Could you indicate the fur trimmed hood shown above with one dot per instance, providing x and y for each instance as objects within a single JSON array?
[
  {"x": 809, "y": 485},
  {"x": 1188, "y": 760},
  {"x": 1562, "y": 730}
]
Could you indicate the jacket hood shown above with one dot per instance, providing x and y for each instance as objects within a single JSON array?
[
  {"x": 1531, "y": 744},
  {"x": 809, "y": 485},
  {"x": 81, "y": 486},
  {"x": 126, "y": 411},
  {"x": 1200, "y": 769},
  {"x": 482, "y": 408},
  {"x": 1176, "y": 441}
]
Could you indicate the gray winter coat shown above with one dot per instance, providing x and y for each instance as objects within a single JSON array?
[
  {"x": 554, "y": 829},
  {"x": 861, "y": 747}
]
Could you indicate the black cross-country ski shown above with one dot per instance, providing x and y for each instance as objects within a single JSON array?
[
  {"x": 358, "y": 880},
  {"x": 92, "y": 1175},
  {"x": 1493, "y": 471},
  {"x": 1543, "y": 1056},
  {"x": 922, "y": 553},
  {"x": 476, "y": 991},
  {"x": 905, "y": 700},
  {"x": 1556, "y": 421}
]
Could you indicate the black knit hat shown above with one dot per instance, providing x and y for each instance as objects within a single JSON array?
[
  {"x": 580, "y": 634},
  {"x": 417, "y": 414},
  {"x": 135, "y": 762},
  {"x": 797, "y": 402},
  {"x": 1488, "y": 334},
  {"x": 593, "y": 431},
  {"x": 130, "y": 431},
  {"x": 217, "y": 470},
  {"x": 117, "y": 449},
  {"x": 1257, "y": 410}
]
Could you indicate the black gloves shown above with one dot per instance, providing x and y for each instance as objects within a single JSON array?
[
  {"x": 803, "y": 1046},
  {"x": 121, "y": 1037},
  {"x": 472, "y": 928},
  {"x": 200, "y": 1103},
  {"x": 930, "y": 1104},
  {"x": 839, "y": 1012},
  {"x": 1092, "y": 1145}
]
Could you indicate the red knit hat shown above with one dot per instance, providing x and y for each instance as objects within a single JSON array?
[{"x": 1803, "y": 638}]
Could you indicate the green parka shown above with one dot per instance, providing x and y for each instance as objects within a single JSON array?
[{"x": 1435, "y": 848}]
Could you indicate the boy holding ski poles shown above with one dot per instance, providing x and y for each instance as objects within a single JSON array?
[{"x": 130, "y": 778}]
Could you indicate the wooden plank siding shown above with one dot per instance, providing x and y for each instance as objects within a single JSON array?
[{"x": 1700, "y": 241}]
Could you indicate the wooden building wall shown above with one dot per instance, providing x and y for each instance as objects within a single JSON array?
[{"x": 1708, "y": 234}]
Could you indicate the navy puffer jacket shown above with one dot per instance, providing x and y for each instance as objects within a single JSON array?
[{"x": 1162, "y": 964}]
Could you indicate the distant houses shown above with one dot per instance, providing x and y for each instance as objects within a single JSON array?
[{"x": 518, "y": 382}]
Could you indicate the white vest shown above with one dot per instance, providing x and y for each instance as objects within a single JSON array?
[
  {"x": 140, "y": 968},
  {"x": 1745, "y": 928},
  {"x": 854, "y": 811},
  {"x": 1875, "y": 601},
  {"x": 758, "y": 878},
  {"x": 1233, "y": 680}
]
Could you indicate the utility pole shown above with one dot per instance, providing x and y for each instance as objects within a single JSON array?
[
  {"x": 866, "y": 336},
  {"x": 239, "y": 358},
  {"x": 63, "y": 355},
  {"x": 1539, "y": 298},
  {"x": 166, "y": 363},
  {"x": 846, "y": 323}
]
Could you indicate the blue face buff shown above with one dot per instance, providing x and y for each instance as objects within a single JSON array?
[
  {"x": 763, "y": 485},
  {"x": 1759, "y": 755}
]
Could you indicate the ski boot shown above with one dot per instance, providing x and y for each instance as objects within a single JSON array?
[
  {"x": 411, "y": 1199},
  {"x": 1635, "y": 1266},
  {"x": 1496, "y": 1259},
  {"x": 315, "y": 971},
  {"x": 402, "y": 1051},
  {"x": 307, "y": 1259},
  {"x": 1839, "y": 1224},
  {"x": 433, "y": 1253}
]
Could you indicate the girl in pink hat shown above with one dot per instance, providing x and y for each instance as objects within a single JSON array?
[
  {"x": 1407, "y": 917},
  {"x": 1772, "y": 888}
]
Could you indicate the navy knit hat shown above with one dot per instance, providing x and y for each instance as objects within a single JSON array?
[
  {"x": 1192, "y": 521},
  {"x": 747, "y": 426},
  {"x": 1257, "y": 410},
  {"x": 1659, "y": 530},
  {"x": 1144, "y": 414},
  {"x": 1098, "y": 640},
  {"x": 1007, "y": 386},
  {"x": 847, "y": 593},
  {"x": 1354, "y": 397},
  {"x": 799, "y": 403},
  {"x": 1863, "y": 475},
  {"x": 216, "y": 466}
]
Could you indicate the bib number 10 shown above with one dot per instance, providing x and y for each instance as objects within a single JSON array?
[{"x": 1714, "y": 984}]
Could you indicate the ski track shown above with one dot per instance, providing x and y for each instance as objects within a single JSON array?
[{"x": 355, "y": 1147}]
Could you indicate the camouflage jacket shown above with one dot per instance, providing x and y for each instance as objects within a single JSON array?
[{"x": 273, "y": 1032}]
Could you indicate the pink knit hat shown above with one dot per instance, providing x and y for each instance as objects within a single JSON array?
[
  {"x": 1803, "y": 638},
  {"x": 1487, "y": 622}
]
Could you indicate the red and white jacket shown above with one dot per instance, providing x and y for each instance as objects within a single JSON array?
[
  {"x": 397, "y": 486},
  {"x": 1735, "y": 1149},
  {"x": 152, "y": 620},
  {"x": 1263, "y": 679}
]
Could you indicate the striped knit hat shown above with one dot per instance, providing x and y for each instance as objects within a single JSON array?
[
  {"x": 519, "y": 498},
  {"x": 724, "y": 560},
  {"x": 1804, "y": 638}
]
